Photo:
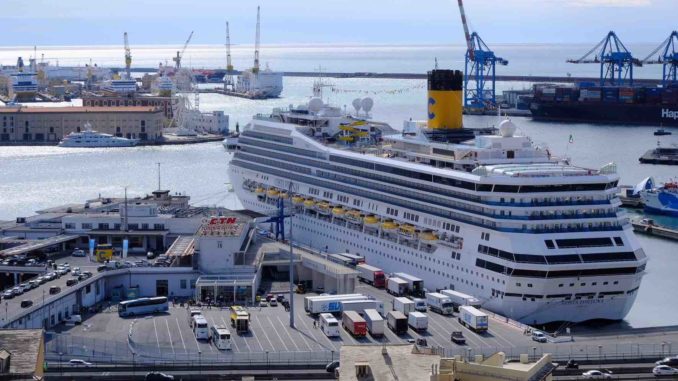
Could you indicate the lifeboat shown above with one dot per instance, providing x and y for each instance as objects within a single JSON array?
[
  {"x": 297, "y": 200},
  {"x": 323, "y": 207},
  {"x": 309, "y": 203},
  {"x": 284, "y": 195},
  {"x": 273, "y": 193},
  {"x": 361, "y": 133},
  {"x": 354, "y": 215},
  {"x": 371, "y": 220},
  {"x": 428, "y": 236},
  {"x": 338, "y": 211},
  {"x": 347, "y": 127},
  {"x": 260, "y": 190},
  {"x": 347, "y": 138},
  {"x": 389, "y": 225},
  {"x": 407, "y": 231}
]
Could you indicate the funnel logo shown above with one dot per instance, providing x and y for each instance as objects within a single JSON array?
[{"x": 431, "y": 102}]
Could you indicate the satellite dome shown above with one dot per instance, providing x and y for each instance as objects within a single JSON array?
[
  {"x": 315, "y": 105},
  {"x": 507, "y": 128},
  {"x": 367, "y": 104},
  {"x": 356, "y": 104}
]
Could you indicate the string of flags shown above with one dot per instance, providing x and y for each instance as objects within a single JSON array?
[{"x": 376, "y": 92}]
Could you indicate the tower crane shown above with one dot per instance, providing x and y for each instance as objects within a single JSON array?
[
  {"x": 128, "y": 57},
  {"x": 616, "y": 62},
  {"x": 180, "y": 54},
  {"x": 229, "y": 66},
  {"x": 255, "y": 68},
  {"x": 479, "y": 70},
  {"x": 668, "y": 58}
]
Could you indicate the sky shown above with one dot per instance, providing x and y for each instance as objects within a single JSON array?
[{"x": 169, "y": 22}]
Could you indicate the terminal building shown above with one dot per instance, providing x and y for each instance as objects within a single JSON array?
[{"x": 48, "y": 125}]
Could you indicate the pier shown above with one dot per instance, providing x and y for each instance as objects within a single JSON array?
[{"x": 649, "y": 227}]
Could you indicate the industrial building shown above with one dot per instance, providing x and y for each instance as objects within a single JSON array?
[
  {"x": 22, "y": 354},
  {"x": 166, "y": 104},
  {"x": 48, "y": 125},
  {"x": 414, "y": 363}
]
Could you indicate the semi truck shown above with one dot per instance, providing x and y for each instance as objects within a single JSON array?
[
  {"x": 328, "y": 303},
  {"x": 439, "y": 303},
  {"x": 397, "y": 322},
  {"x": 371, "y": 275},
  {"x": 414, "y": 284},
  {"x": 460, "y": 299},
  {"x": 403, "y": 305},
  {"x": 353, "y": 323},
  {"x": 396, "y": 286},
  {"x": 420, "y": 304},
  {"x": 472, "y": 318},
  {"x": 418, "y": 321},
  {"x": 375, "y": 323}
]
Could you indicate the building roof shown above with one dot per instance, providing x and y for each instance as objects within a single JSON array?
[
  {"x": 25, "y": 346},
  {"x": 67, "y": 110},
  {"x": 398, "y": 360}
]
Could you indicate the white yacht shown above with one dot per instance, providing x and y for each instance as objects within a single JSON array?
[
  {"x": 485, "y": 213},
  {"x": 92, "y": 139}
]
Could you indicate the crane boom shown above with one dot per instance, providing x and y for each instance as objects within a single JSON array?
[
  {"x": 177, "y": 59},
  {"x": 229, "y": 66},
  {"x": 128, "y": 57},
  {"x": 469, "y": 41},
  {"x": 666, "y": 54},
  {"x": 255, "y": 69}
]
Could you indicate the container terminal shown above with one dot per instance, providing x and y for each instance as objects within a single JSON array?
[{"x": 76, "y": 263}]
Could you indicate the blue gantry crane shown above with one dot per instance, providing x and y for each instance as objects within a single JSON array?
[
  {"x": 668, "y": 58},
  {"x": 479, "y": 71},
  {"x": 616, "y": 62}
]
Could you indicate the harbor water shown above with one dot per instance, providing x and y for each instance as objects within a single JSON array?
[{"x": 32, "y": 178}]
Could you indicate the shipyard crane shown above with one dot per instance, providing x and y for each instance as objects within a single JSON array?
[
  {"x": 128, "y": 57},
  {"x": 255, "y": 69},
  {"x": 180, "y": 54},
  {"x": 616, "y": 62},
  {"x": 479, "y": 70},
  {"x": 668, "y": 58},
  {"x": 229, "y": 65}
]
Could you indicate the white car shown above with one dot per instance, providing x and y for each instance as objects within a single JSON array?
[
  {"x": 75, "y": 271},
  {"x": 79, "y": 253},
  {"x": 664, "y": 370},
  {"x": 78, "y": 362},
  {"x": 596, "y": 375}
]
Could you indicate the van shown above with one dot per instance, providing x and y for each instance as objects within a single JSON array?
[
  {"x": 191, "y": 314},
  {"x": 26, "y": 303},
  {"x": 54, "y": 290},
  {"x": 73, "y": 320},
  {"x": 539, "y": 336}
]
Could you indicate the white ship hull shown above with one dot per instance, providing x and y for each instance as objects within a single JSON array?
[{"x": 441, "y": 272}]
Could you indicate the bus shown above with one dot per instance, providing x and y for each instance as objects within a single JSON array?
[
  {"x": 221, "y": 337},
  {"x": 143, "y": 306},
  {"x": 200, "y": 328},
  {"x": 329, "y": 325},
  {"x": 103, "y": 252}
]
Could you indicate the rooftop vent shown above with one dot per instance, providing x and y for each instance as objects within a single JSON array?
[{"x": 5, "y": 359}]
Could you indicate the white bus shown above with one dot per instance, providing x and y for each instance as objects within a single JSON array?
[
  {"x": 221, "y": 337},
  {"x": 200, "y": 328},
  {"x": 329, "y": 325},
  {"x": 143, "y": 306}
]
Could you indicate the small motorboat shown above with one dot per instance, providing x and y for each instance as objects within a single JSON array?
[{"x": 662, "y": 132}]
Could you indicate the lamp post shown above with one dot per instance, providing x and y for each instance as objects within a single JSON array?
[
  {"x": 600, "y": 352},
  {"x": 200, "y": 361},
  {"x": 61, "y": 364},
  {"x": 134, "y": 363},
  {"x": 266, "y": 362},
  {"x": 534, "y": 353}
]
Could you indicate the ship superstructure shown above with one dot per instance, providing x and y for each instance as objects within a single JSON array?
[{"x": 482, "y": 212}]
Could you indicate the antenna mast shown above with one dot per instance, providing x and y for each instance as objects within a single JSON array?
[
  {"x": 255, "y": 69},
  {"x": 229, "y": 66}
]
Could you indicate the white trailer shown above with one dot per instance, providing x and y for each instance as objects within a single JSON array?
[
  {"x": 358, "y": 306},
  {"x": 371, "y": 275},
  {"x": 439, "y": 303},
  {"x": 473, "y": 319},
  {"x": 329, "y": 303},
  {"x": 418, "y": 321},
  {"x": 460, "y": 299},
  {"x": 396, "y": 286},
  {"x": 375, "y": 323},
  {"x": 403, "y": 305},
  {"x": 415, "y": 285}
]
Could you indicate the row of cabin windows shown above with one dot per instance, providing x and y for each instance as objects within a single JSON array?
[
  {"x": 557, "y": 259},
  {"x": 557, "y": 273}
]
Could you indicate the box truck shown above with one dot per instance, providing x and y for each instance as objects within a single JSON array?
[
  {"x": 439, "y": 303},
  {"x": 403, "y": 305},
  {"x": 396, "y": 286},
  {"x": 460, "y": 299},
  {"x": 397, "y": 322},
  {"x": 414, "y": 284},
  {"x": 418, "y": 321},
  {"x": 375, "y": 323},
  {"x": 371, "y": 275},
  {"x": 353, "y": 323},
  {"x": 328, "y": 303},
  {"x": 473, "y": 318}
]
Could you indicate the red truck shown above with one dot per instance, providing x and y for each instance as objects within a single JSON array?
[
  {"x": 353, "y": 323},
  {"x": 371, "y": 275}
]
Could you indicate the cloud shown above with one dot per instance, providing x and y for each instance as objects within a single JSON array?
[{"x": 611, "y": 3}]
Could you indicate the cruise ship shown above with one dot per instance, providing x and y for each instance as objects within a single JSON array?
[
  {"x": 94, "y": 139},
  {"x": 483, "y": 212}
]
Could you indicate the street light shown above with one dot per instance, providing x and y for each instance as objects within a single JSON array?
[
  {"x": 534, "y": 353},
  {"x": 600, "y": 352},
  {"x": 134, "y": 363},
  {"x": 468, "y": 354},
  {"x": 266, "y": 362},
  {"x": 200, "y": 361},
  {"x": 61, "y": 364}
]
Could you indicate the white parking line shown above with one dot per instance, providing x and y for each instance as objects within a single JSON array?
[
  {"x": 255, "y": 336},
  {"x": 306, "y": 332},
  {"x": 276, "y": 332},
  {"x": 170, "y": 335},
  {"x": 180, "y": 334},
  {"x": 287, "y": 330},
  {"x": 303, "y": 319},
  {"x": 156, "y": 334},
  {"x": 266, "y": 335}
]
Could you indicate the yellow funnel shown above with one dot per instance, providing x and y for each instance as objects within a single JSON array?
[{"x": 445, "y": 99}]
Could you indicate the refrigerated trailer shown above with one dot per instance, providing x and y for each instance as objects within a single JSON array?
[
  {"x": 396, "y": 286},
  {"x": 375, "y": 323},
  {"x": 473, "y": 318},
  {"x": 328, "y": 303},
  {"x": 460, "y": 299},
  {"x": 371, "y": 275},
  {"x": 403, "y": 305},
  {"x": 415, "y": 285}
]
